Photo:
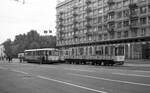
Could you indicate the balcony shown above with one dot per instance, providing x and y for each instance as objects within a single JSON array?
[
  {"x": 75, "y": 7},
  {"x": 75, "y": 14},
  {"x": 60, "y": 25},
  {"x": 133, "y": 26},
  {"x": 133, "y": 5},
  {"x": 88, "y": 25},
  {"x": 88, "y": 33},
  {"x": 110, "y": 30},
  {"x": 88, "y": 10},
  {"x": 61, "y": 32},
  {"x": 110, "y": 2},
  {"x": 61, "y": 13},
  {"x": 88, "y": 2},
  {"x": 88, "y": 18},
  {"x": 111, "y": 11},
  {"x": 75, "y": 29},
  {"x": 60, "y": 19},
  {"x": 75, "y": 36},
  {"x": 111, "y": 21},
  {"x": 75, "y": 22},
  {"x": 60, "y": 38},
  {"x": 133, "y": 16}
]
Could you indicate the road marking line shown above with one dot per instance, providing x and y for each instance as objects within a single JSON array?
[
  {"x": 78, "y": 69},
  {"x": 130, "y": 74},
  {"x": 42, "y": 77},
  {"x": 71, "y": 69},
  {"x": 46, "y": 78},
  {"x": 20, "y": 72},
  {"x": 106, "y": 79}
]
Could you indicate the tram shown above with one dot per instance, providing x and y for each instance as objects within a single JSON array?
[
  {"x": 95, "y": 55},
  {"x": 45, "y": 55}
]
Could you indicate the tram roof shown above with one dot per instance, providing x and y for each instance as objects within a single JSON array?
[{"x": 42, "y": 49}]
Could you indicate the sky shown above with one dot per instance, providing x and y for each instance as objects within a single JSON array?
[{"x": 17, "y": 18}]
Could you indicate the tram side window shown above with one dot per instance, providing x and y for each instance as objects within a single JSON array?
[
  {"x": 86, "y": 51},
  {"x": 72, "y": 51},
  {"x": 67, "y": 53},
  {"x": 121, "y": 51},
  {"x": 95, "y": 50},
  {"x": 56, "y": 53},
  {"x": 90, "y": 51},
  {"x": 116, "y": 51},
  {"x": 29, "y": 53},
  {"x": 34, "y": 53},
  {"x": 50, "y": 52},
  {"x": 99, "y": 51},
  {"x": 38, "y": 53},
  {"x": 106, "y": 51},
  {"x": 81, "y": 51}
]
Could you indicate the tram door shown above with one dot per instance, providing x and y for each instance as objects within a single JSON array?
[{"x": 119, "y": 53}]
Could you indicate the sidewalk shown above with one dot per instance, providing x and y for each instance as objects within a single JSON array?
[{"x": 140, "y": 63}]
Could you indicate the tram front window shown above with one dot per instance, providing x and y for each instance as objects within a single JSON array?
[{"x": 119, "y": 51}]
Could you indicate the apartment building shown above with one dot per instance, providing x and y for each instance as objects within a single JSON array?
[{"x": 100, "y": 22}]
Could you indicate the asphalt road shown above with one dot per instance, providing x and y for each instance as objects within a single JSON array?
[{"x": 65, "y": 78}]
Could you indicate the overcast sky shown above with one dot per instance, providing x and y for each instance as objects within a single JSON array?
[{"x": 17, "y": 18}]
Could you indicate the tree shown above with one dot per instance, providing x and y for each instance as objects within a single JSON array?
[
  {"x": 31, "y": 40},
  {"x": 34, "y": 45},
  {"x": 8, "y": 50}
]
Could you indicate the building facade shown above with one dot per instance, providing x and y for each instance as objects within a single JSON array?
[{"x": 91, "y": 23}]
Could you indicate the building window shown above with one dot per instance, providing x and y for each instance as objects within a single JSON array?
[
  {"x": 126, "y": 23},
  {"x": 125, "y": 34},
  {"x": 105, "y": 36},
  {"x": 105, "y": 18},
  {"x": 118, "y": 34},
  {"x": 149, "y": 19},
  {"x": 100, "y": 19},
  {"x": 126, "y": 13},
  {"x": 90, "y": 51},
  {"x": 119, "y": 4},
  {"x": 143, "y": 31},
  {"x": 100, "y": 28},
  {"x": 125, "y": 2},
  {"x": 134, "y": 22},
  {"x": 119, "y": 24},
  {"x": 134, "y": 32},
  {"x": 100, "y": 10},
  {"x": 111, "y": 16},
  {"x": 112, "y": 36},
  {"x": 119, "y": 14},
  {"x": 143, "y": 9},
  {"x": 148, "y": 8},
  {"x": 143, "y": 21},
  {"x": 100, "y": 37}
]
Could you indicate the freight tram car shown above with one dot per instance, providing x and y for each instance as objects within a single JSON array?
[
  {"x": 95, "y": 55},
  {"x": 46, "y": 55}
]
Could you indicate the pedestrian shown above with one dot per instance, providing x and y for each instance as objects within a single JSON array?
[
  {"x": 43, "y": 60},
  {"x": 9, "y": 59}
]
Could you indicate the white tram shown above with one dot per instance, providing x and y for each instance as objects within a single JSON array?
[
  {"x": 95, "y": 55},
  {"x": 45, "y": 55}
]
